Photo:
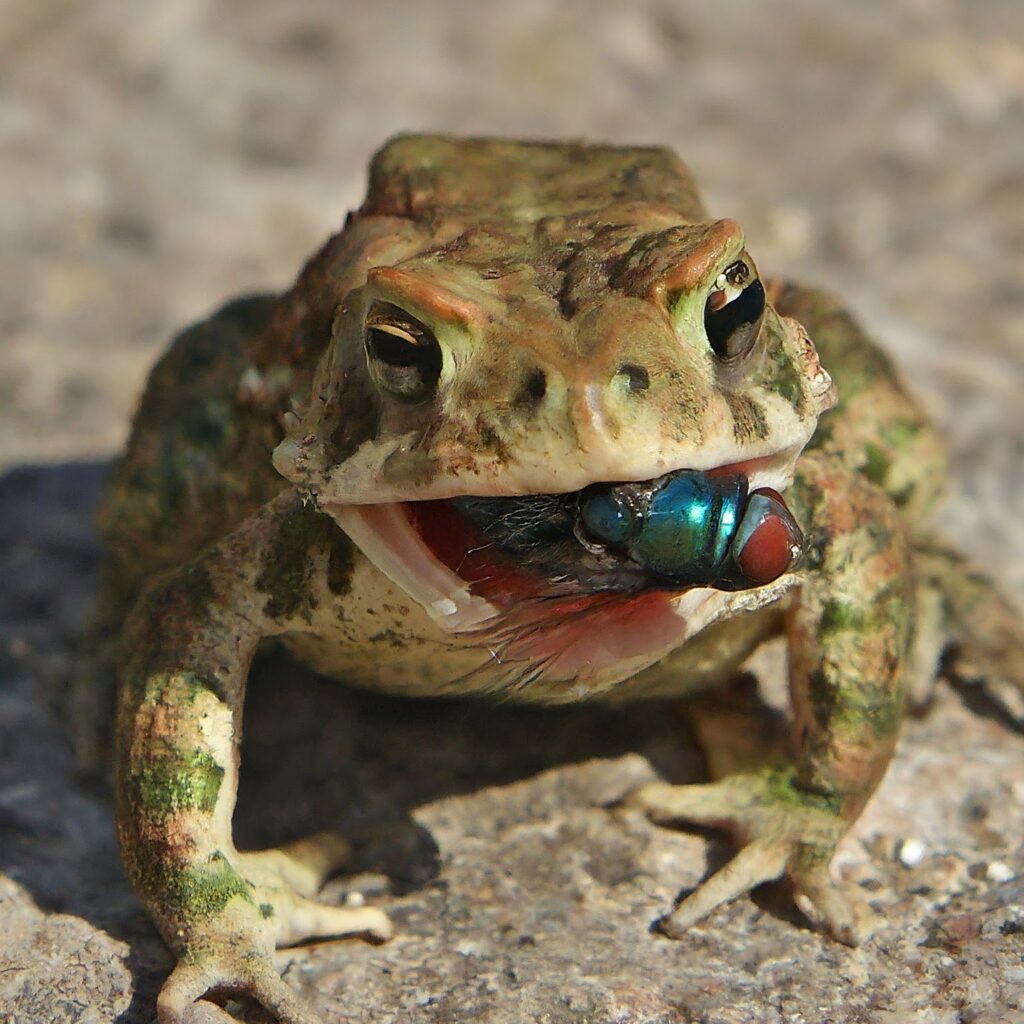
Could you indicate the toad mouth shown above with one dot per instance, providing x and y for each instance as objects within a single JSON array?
[{"x": 476, "y": 562}]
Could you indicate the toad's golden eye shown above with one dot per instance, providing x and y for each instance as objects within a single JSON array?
[
  {"x": 403, "y": 355},
  {"x": 734, "y": 311}
]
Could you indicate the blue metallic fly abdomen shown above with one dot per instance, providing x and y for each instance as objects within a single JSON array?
[
  {"x": 693, "y": 528},
  {"x": 689, "y": 524}
]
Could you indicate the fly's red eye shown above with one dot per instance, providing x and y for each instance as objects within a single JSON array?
[{"x": 769, "y": 540}]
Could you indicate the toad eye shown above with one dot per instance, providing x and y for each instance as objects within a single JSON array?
[
  {"x": 734, "y": 311},
  {"x": 403, "y": 355}
]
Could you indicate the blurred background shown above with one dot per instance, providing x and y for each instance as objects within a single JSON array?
[{"x": 156, "y": 159}]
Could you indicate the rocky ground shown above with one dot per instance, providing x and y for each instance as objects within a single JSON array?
[{"x": 153, "y": 163}]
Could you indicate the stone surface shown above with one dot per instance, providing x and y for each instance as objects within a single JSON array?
[{"x": 153, "y": 165}]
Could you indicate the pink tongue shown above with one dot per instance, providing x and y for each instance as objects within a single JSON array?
[{"x": 628, "y": 633}]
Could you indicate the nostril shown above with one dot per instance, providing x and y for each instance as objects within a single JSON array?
[
  {"x": 637, "y": 377},
  {"x": 535, "y": 386}
]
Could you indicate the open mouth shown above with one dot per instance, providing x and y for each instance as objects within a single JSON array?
[{"x": 470, "y": 560}]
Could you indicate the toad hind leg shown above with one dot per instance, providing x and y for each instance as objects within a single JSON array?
[
  {"x": 849, "y": 643},
  {"x": 188, "y": 646},
  {"x": 980, "y": 626}
]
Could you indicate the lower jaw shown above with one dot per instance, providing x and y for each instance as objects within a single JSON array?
[
  {"x": 429, "y": 550},
  {"x": 509, "y": 614}
]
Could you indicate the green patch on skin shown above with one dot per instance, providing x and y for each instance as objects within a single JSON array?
[
  {"x": 784, "y": 379},
  {"x": 849, "y": 381},
  {"x": 876, "y": 464},
  {"x": 778, "y": 787},
  {"x": 266, "y": 910},
  {"x": 885, "y": 714},
  {"x": 846, "y": 707},
  {"x": 791, "y": 392},
  {"x": 781, "y": 788},
  {"x": 168, "y": 785},
  {"x": 808, "y": 501},
  {"x": 840, "y": 616},
  {"x": 288, "y": 564},
  {"x": 205, "y": 891},
  {"x": 879, "y": 709},
  {"x": 852, "y": 698},
  {"x": 900, "y": 433},
  {"x": 187, "y": 892},
  {"x": 174, "y": 688}
]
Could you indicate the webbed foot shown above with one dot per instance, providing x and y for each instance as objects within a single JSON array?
[
  {"x": 231, "y": 951},
  {"x": 250, "y": 973},
  {"x": 782, "y": 831}
]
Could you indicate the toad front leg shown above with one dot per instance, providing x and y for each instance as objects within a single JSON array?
[
  {"x": 188, "y": 646},
  {"x": 849, "y": 643}
]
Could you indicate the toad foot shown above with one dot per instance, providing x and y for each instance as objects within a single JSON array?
[
  {"x": 782, "y": 832},
  {"x": 232, "y": 953}
]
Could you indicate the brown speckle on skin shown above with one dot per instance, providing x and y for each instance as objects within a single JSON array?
[
  {"x": 288, "y": 564},
  {"x": 389, "y": 636},
  {"x": 340, "y": 564},
  {"x": 749, "y": 421}
]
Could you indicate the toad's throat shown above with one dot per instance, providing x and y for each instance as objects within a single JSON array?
[{"x": 683, "y": 530}]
